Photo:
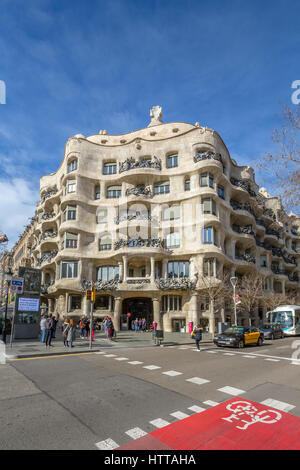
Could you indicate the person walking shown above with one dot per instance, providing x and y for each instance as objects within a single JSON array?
[
  {"x": 54, "y": 326},
  {"x": 144, "y": 325},
  {"x": 43, "y": 328},
  {"x": 82, "y": 327},
  {"x": 93, "y": 329},
  {"x": 65, "y": 330},
  {"x": 49, "y": 328},
  {"x": 197, "y": 335},
  {"x": 87, "y": 328},
  {"x": 71, "y": 333},
  {"x": 109, "y": 327}
]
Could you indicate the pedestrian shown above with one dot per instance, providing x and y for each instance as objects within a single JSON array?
[
  {"x": 109, "y": 327},
  {"x": 94, "y": 325},
  {"x": 140, "y": 324},
  {"x": 87, "y": 327},
  {"x": 65, "y": 330},
  {"x": 144, "y": 326},
  {"x": 43, "y": 328},
  {"x": 197, "y": 335},
  {"x": 54, "y": 326},
  {"x": 71, "y": 333},
  {"x": 49, "y": 328},
  {"x": 105, "y": 325},
  {"x": 82, "y": 327},
  {"x": 136, "y": 325}
]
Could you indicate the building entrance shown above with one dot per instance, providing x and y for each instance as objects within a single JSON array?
[{"x": 139, "y": 308}]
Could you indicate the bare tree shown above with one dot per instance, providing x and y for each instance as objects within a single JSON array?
[
  {"x": 274, "y": 300},
  {"x": 250, "y": 291},
  {"x": 216, "y": 289},
  {"x": 284, "y": 164}
]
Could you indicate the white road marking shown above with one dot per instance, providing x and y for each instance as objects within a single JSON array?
[
  {"x": 274, "y": 357},
  {"x": 212, "y": 352},
  {"x": 183, "y": 347},
  {"x": 279, "y": 405},
  {"x": 231, "y": 390},
  {"x": 172, "y": 373},
  {"x": 197, "y": 380},
  {"x": 228, "y": 354},
  {"x": 135, "y": 433},
  {"x": 109, "y": 444},
  {"x": 179, "y": 415},
  {"x": 100, "y": 352},
  {"x": 196, "y": 409},
  {"x": 135, "y": 363},
  {"x": 159, "y": 423},
  {"x": 151, "y": 367},
  {"x": 121, "y": 359},
  {"x": 250, "y": 357},
  {"x": 273, "y": 360},
  {"x": 109, "y": 355},
  {"x": 210, "y": 403}
]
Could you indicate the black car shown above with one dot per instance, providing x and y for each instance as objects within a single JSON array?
[
  {"x": 239, "y": 336},
  {"x": 272, "y": 331}
]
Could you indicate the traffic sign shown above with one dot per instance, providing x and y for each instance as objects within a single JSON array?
[
  {"x": 236, "y": 299},
  {"x": 16, "y": 285}
]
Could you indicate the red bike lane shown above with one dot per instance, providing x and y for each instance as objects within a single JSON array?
[{"x": 237, "y": 424}]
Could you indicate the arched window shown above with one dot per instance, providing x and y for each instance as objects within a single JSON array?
[
  {"x": 113, "y": 192},
  {"x": 110, "y": 168},
  {"x": 72, "y": 165},
  {"x": 105, "y": 242}
]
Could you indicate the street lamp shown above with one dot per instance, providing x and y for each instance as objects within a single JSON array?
[
  {"x": 8, "y": 277},
  {"x": 234, "y": 281}
]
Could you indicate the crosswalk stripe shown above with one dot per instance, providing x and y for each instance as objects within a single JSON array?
[
  {"x": 159, "y": 423},
  {"x": 135, "y": 363},
  {"x": 231, "y": 390},
  {"x": 279, "y": 405},
  {"x": 196, "y": 409},
  {"x": 210, "y": 403},
  {"x": 179, "y": 415},
  {"x": 197, "y": 380},
  {"x": 172, "y": 373},
  {"x": 151, "y": 367},
  {"x": 108, "y": 444},
  {"x": 135, "y": 433}
]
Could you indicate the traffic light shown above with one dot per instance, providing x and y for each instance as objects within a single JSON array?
[
  {"x": 88, "y": 295},
  {"x": 93, "y": 296}
]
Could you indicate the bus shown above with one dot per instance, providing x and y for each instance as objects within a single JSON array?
[{"x": 288, "y": 317}]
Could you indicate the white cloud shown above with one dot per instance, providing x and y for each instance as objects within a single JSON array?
[{"x": 18, "y": 200}]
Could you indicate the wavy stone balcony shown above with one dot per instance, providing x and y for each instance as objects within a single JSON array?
[
  {"x": 130, "y": 164},
  {"x": 140, "y": 243},
  {"x": 241, "y": 206},
  {"x": 243, "y": 184},
  {"x": 48, "y": 194},
  {"x": 200, "y": 156},
  {"x": 46, "y": 257},
  {"x": 182, "y": 283},
  {"x": 247, "y": 230},
  {"x": 294, "y": 277},
  {"x": 245, "y": 257},
  {"x": 140, "y": 216},
  {"x": 100, "y": 285},
  {"x": 140, "y": 191}
]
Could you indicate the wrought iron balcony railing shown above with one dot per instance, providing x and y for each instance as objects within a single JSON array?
[
  {"x": 247, "y": 229},
  {"x": 182, "y": 283},
  {"x": 245, "y": 257},
  {"x": 139, "y": 243},
  {"x": 207, "y": 156},
  {"x": 130, "y": 164}
]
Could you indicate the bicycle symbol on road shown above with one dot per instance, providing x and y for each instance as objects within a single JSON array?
[{"x": 244, "y": 409}]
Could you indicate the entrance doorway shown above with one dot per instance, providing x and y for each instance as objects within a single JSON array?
[{"x": 139, "y": 307}]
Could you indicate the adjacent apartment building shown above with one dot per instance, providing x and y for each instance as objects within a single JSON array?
[{"x": 143, "y": 216}]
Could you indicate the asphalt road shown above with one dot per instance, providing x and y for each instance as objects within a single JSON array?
[{"x": 103, "y": 400}]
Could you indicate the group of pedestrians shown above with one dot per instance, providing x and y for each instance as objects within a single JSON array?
[
  {"x": 139, "y": 324},
  {"x": 48, "y": 326},
  {"x": 108, "y": 328}
]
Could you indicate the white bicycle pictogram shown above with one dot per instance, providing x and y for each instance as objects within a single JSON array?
[{"x": 245, "y": 409}]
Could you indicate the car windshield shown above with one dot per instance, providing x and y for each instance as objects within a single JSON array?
[{"x": 233, "y": 330}]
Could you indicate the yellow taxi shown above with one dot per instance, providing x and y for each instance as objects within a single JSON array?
[{"x": 240, "y": 336}]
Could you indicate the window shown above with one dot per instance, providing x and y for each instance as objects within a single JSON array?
[
  {"x": 97, "y": 191},
  {"x": 210, "y": 267},
  {"x": 171, "y": 303},
  {"x": 70, "y": 240},
  {"x": 75, "y": 302},
  {"x": 208, "y": 206},
  {"x": 267, "y": 284},
  {"x": 68, "y": 270},
  {"x": 107, "y": 273},
  {"x": 178, "y": 269},
  {"x": 173, "y": 240},
  {"x": 101, "y": 216},
  {"x": 113, "y": 192},
  {"x": 69, "y": 213},
  {"x": 105, "y": 243},
  {"x": 72, "y": 166},
  {"x": 71, "y": 186},
  {"x": 263, "y": 261},
  {"x": 171, "y": 213},
  {"x": 221, "y": 192},
  {"x": 172, "y": 161},
  {"x": 162, "y": 188},
  {"x": 206, "y": 179},
  {"x": 102, "y": 302},
  {"x": 110, "y": 168},
  {"x": 187, "y": 185},
  {"x": 209, "y": 235}
]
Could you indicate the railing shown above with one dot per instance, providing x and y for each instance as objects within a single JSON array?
[
  {"x": 44, "y": 287},
  {"x": 244, "y": 184},
  {"x": 48, "y": 194},
  {"x": 48, "y": 215},
  {"x": 245, "y": 257},
  {"x": 100, "y": 285},
  {"x": 140, "y": 190},
  {"x": 241, "y": 206},
  {"x": 138, "y": 280},
  {"x": 261, "y": 222},
  {"x": 130, "y": 164},
  {"x": 46, "y": 257},
  {"x": 293, "y": 277},
  {"x": 137, "y": 216},
  {"x": 277, "y": 270},
  {"x": 139, "y": 243},
  {"x": 182, "y": 283},
  {"x": 207, "y": 156},
  {"x": 48, "y": 234},
  {"x": 247, "y": 229},
  {"x": 270, "y": 231}
]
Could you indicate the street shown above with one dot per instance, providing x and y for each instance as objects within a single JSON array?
[{"x": 105, "y": 399}]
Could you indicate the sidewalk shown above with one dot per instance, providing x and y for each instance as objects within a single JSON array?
[{"x": 27, "y": 348}]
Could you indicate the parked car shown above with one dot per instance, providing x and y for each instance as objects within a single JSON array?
[
  {"x": 272, "y": 331},
  {"x": 240, "y": 336}
]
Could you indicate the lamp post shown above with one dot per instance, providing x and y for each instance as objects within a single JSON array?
[
  {"x": 233, "y": 281},
  {"x": 8, "y": 277}
]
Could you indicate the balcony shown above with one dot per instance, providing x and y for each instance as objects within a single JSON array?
[
  {"x": 244, "y": 184},
  {"x": 139, "y": 243},
  {"x": 200, "y": 156},
  {"x": 182, "y": 283},
  {"x": 241, "y": 206},
  {"x": 136, "y": 216},
  {"x": 46, "y": 257},
  {"x": 48, "y": 215},
  {"x": 293, "y": 277},
  {"x": 245, "y": 257},
  {"x": 130, "y": 164},
  {"x": 49, "y": 193},
  {"x": 245, "y": 230},
  {"x": 276, "y": 270},
  {"x": 275, "y": 233},
  {"x": 45, "y": 287},
  {"x": 140, "y": 190},
  {"x": 100, "y": 285}
]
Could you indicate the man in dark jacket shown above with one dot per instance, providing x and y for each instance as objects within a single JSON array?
[
  {"x": 197, "y": 336},
  {"x": 49, "y": 330}
]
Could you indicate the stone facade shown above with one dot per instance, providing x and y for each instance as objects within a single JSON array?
[{"x": 142, "y": 215}]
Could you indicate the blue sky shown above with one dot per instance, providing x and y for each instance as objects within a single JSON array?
[{"x": 74, "y": 66}]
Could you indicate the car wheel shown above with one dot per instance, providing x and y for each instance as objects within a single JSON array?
[
  {"x": 259, "y": 341},
  {"x": 241, "y": 344}
]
